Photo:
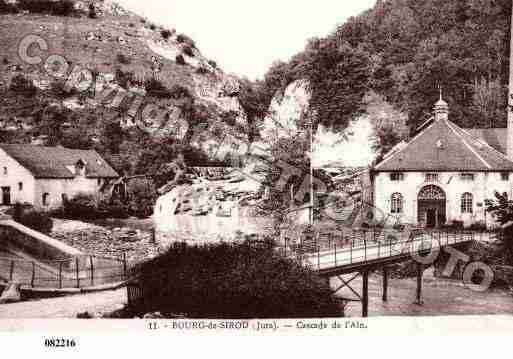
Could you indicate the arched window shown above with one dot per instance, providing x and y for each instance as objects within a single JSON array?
[
  {"x": 46, "y": 199},
  {"x": 467, "y": 203},
  {"x": 396, "y": 203}
]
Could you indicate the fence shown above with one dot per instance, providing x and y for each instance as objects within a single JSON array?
[{"x": 77, "y": 272}]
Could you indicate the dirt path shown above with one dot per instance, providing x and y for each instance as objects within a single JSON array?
[{"x": 65, "y": 307}]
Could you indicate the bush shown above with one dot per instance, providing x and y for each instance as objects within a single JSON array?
[
  {"x": 122, "y": 59},
  {"x": 188, "y": 51},
  {"x": 180, "y": 60},
  {"x": 156, "y": 89},
  {"x": 212, "y": 63},
  {"x": 166, "y": 34},
  {"x": 58, "y": 8},
  {"x": 153, "y": 27},
  {"x": 124, "y": 79},
  {"x": 6, "y": 8},
  {"x": 88, "y": 207},
  {"x": 184, "y": 39},
  {"x": 232, "y": 281},
  {"x": 178, "y": 92},
  {"x": 92, "y": 11},
  {"x": 23, "y": 86},
  {"x": 29, "y": 217}
]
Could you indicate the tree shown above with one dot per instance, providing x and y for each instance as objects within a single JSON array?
[{"x": 502, "y": 210}]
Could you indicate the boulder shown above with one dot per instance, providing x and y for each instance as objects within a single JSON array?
[{"x": 11, "y": 294}]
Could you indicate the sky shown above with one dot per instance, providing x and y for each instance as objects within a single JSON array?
[{"x": 245, "y": 37}]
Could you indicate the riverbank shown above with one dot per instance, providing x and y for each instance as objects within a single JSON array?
[{"x": 136, "y": 244}]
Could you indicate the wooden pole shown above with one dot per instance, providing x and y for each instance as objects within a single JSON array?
[
  {"x": 60, "y": 275},
  {"x": 33, "y": 275},
  {"x": 77, "y": 272},
  {"x": 365, "y": 294},
  {"x": 419, "y": 284},
  {"x": 92, "y": 269},
  {"x": 11, "y": 271},
  {"x": 385, "y": 284}
]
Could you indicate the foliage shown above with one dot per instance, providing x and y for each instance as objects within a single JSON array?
[
  {"x": 188, "y": 51},
  {"x": 58, "y": 8},
  {"x": 180, "y": 60},
  {"x": 246, "y": 280},
  {"x": 502, "y": 210},
  {"x": 92, "y": 11},
  {"x": 23, "y": 86},
  {"x": 7, "y": 8},
  {"x": 212, "y": 63},
  {"x": 184, "y": 39},
  {"x": 156, "y": 88},
  {"x": 29, "y": 217},
  {"x": 123, "y": 59},
  {"x": 142, "y": 195},
  {"x": 166, "y": 34},
  {"x": 179, "y": 91}
]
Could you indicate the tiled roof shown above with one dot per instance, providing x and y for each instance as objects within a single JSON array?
[
  {"x": 53, "y": 162},
  {"x": 443, "y": 146},
  {"x": 495, "y": 137}
]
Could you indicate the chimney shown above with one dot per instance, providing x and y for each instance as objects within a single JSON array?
[{"x": 510, "y": 98}]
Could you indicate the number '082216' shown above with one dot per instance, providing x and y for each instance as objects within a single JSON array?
[{"x": 60, "y": 343}]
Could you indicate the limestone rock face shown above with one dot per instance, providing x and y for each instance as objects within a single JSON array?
[{"x": 11, "y": 294}]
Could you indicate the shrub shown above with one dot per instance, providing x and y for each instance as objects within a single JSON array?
[
  {"x": 179, "y": 91},
  {"x": 166, "y": 34},
  {"x": 5, "y": 61},
  {"x": 180, "y": 60},
  {"x": 124, "y": 79},
  {"x": 58, "y": 8},
  {"x": 188, "y": 51},
  {"x": 6, "y": 8},
  {"x": 212, "y": 63},
  {"x": 82, "y": 206},
  {"x": 23, "y": 86},
  {"x": 156, "y": 89},
  {"x": 153, "y": 27},
  {"x": 123, "y": 59},
  {"x": 245, "y": 280},
  {"x": 28, "y": 216},
  {"x": 131, "y": 24},
  {"x": 202, "y": 70},
  {"x": 184, "y": 39},
  {"x": 92, "y": 11}
]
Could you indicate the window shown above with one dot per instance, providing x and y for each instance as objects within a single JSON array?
[
  {"x": 467, "y": 176},
  {"x": 505, "y": 176},
  {"x": 5, "y": 170},
  {"x": 396, "y": 203},
  {"x": 467, "y": 203},
  {"x": 396, "y": 176},
  {"x": 46, "y": 197},
  {"x": 431, "y": 177},
  {"x": 99, "y": 181},
  {"x": 20, "y": 186}
]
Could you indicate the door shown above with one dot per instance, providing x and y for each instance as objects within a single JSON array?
[
  {"x": 6, "y": 196},
  {"x": 431, "y": 220}
]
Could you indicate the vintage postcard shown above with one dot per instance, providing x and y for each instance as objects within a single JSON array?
[{"x": 182, "y": 167}]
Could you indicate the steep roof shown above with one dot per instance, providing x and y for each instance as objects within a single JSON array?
[
  {"x": 443, "y": 146},
  {"x": 495, "y": 137},
  {"x": 53, "y": 162}
]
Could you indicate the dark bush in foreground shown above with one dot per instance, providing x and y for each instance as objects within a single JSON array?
[
  {"x": 23, "y": 86},
  {"x": 29, "y": 217},
  {"x": 6, "y": 8},
  {"x": 87, "y": 207},
  {"x": 232, "y": 281}
]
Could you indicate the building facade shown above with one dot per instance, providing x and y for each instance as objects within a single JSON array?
[
  {"x": 442, "y": 176},
  {"x": 45, "y": 176}
]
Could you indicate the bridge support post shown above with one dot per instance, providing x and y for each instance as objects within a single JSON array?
[
  {"x": 385, "y": 284},
  {"x": 365, "y": 294},
  {"x": 419, "y": 284}
]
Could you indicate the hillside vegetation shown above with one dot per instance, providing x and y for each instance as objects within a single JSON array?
[{"x": 402, "y": 51}]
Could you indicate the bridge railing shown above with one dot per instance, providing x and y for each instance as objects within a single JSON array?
[
  {"x": 77, "y": 272},
  {"x": 325, "y": 250}
]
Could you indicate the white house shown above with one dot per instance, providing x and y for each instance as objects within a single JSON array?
[
  {"x": 443, "y": 174},
  {"x": 44, "y": 176}
]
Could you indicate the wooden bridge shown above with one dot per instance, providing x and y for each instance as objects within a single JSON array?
[{"x": 362, "y": 252}]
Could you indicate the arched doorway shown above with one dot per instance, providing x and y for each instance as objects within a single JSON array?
[{"x": 431, "y": 207}]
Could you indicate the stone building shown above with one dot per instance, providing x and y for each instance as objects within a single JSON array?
[
  {"x": 45, "y": 176},
  {"x": 443, "y": 174}
]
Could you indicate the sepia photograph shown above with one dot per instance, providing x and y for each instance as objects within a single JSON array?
[{"x": 273, "y": 166}]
